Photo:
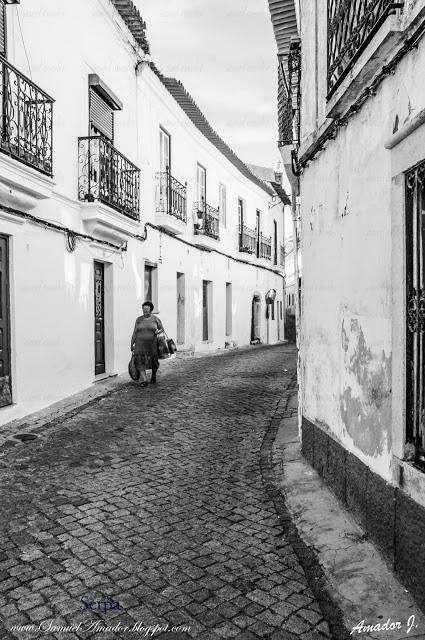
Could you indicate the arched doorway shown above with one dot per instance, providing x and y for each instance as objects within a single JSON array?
[{"x": 256, "y": 319}]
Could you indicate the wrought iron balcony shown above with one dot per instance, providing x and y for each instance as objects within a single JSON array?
[
  {"x": 265, "y": 247},
  {"x": 106, "y": 175},
  {"x": 351, "y": 26},
  {"x": 170, "y": 196},
  {"x": 248, "y": 240},
  {"x": 207, "y": 220},
  {"x": 285, "y": 113},
  {"x": 26, "y": 119}
]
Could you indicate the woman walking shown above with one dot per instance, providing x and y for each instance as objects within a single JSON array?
[{"x": 144, "y": 343}]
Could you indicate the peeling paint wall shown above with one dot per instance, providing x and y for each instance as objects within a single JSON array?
[{"x": 346, "y": 325}]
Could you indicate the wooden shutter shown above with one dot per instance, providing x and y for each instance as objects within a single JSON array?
[
  {"x": 3, "y": 47},
  {"x": 101, "y": 115}
]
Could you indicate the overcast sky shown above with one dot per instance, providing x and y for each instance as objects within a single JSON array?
[{"x": 224, "y": 52}]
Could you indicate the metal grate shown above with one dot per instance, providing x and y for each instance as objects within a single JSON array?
[
  {"x": 248, "y": 240},
  {"x": 106, "y": 175},
  {"x": 351, "y": 26},
  {"x": 208, "y": 222},
  {"x": 25, "y": 119},
  {"x": 170, "y": 196},
  {"x": 265, "y": 247},
  {"x": 415, "y": 315}
]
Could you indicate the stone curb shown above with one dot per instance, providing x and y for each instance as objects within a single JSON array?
[{"x": 306, "y": 554}]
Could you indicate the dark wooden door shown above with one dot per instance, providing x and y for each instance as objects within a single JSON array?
[
  {"x": 5, "y": 385},
  {"x": 256, "y": 319},
  {"x": 99, "y": 317}
]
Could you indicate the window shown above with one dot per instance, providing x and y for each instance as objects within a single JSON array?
[
  {"x": 258, "y": 230},
  {"x": 222, "y": 203},
  {"x": 102, "y": 104},
  {"x": 281, "y": 309},
  {"x": 180, "y": 308},
  {"x": 272, "y": 306},
  {"x": 151, "y": 283},
  {"x": 275, "y": 242},
  {"x": 206, "y": 310},
  {"x": 240, "y": 214},
  {"x": 201, "y": 183},
  {"x": 101, "y": 116},
  {"x": 228, "y": 308},
  {"x": 164, "y": 151}
]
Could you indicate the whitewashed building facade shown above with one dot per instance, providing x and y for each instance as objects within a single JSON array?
[
  {"x": 355, "y": 109},
  {"x": 113, "y": 189}
]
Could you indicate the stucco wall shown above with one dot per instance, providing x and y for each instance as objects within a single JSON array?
[
  {"x": 347, "y": 264},
  {"x": 51, "y": 289}
]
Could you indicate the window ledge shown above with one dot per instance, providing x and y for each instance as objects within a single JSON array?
[{"x": 371, "y": 61}]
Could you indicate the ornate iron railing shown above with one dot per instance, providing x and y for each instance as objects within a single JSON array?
[
  {"x": 415, "y": 315},
  {"x": 106, "y": 175},
  {"x": 265, "y": 247},
  {"x": 170, "y": 196},
  {"x": 284, "y": 111},
  {"x": 208, "y": 222},
  {"x": 351, "y": 26},
  {"x": 282, "y": 255},
  {"x": 289, "y": 96},
  {"x": 26, "y": 114},
  {"x": 248, "y": 240}
]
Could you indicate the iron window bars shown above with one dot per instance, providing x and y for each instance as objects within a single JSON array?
[
  {"x": 171, "y": 196},
  {"x": 415, "y": 315},
  {"x": 26, "y": 113},
  {"x": 351, "y": 26},
  {"x": 265, "y": 247},
  {"x": 108, "y": 176},
  {"x": 207, "y": 220},
  {"x": 247, "y": 240},
  {"x": 289, "y": 96}
]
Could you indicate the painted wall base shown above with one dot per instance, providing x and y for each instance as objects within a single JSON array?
[{"x": 392, "y": 520}]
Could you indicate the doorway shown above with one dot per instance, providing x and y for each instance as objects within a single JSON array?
[
  {"x": 180, "y": 308},
  {"x": 99, "y": 318},
  {"x": 256, "y": 319},
  {"x": 5, "y": 380}
]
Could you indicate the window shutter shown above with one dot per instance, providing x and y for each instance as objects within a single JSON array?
[
  {"x": 2, "y": 29},
  {"x": 101, "y": 115}
]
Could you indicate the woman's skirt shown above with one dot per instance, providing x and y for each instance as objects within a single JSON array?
[{"x": 146, "y": 354}]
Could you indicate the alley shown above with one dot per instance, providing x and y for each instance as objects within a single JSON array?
[{"x": 154, "y": 499}]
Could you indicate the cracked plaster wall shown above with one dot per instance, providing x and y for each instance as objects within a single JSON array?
[{"x": 346, "y": 355}]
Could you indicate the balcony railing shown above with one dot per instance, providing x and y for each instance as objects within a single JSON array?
[
  {"x": 25, "y": 120},
  {"x": 207, "y": 220},
  {"x": 171, "y": 196},
  {"x": 351, "y": 26},
  {"x": 248, "y": 240},
  {"x": 106, "y": 175},
  {"x": 265, "y": 247}
]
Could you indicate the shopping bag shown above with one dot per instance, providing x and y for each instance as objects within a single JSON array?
[
  {"x": 163, "y": 351},
  {"x": 133, "y": 370}
]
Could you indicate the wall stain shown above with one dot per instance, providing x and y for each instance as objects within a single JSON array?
[{"x": 365, "y": 402}]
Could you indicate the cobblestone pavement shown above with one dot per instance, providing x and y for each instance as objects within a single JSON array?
[{"x": 154, "y": 498}]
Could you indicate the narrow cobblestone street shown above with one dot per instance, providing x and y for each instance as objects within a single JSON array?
[{"x": 154, "y": 498}]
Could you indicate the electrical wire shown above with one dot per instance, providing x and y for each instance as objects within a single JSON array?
[
  {"x": 369, "y": 91},
  {"x": 23, "y": 42}
]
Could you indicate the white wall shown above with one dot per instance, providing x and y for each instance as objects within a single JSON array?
[
  {"x": 347, "y": 248},
  {"x": 52, "y": 306}
]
